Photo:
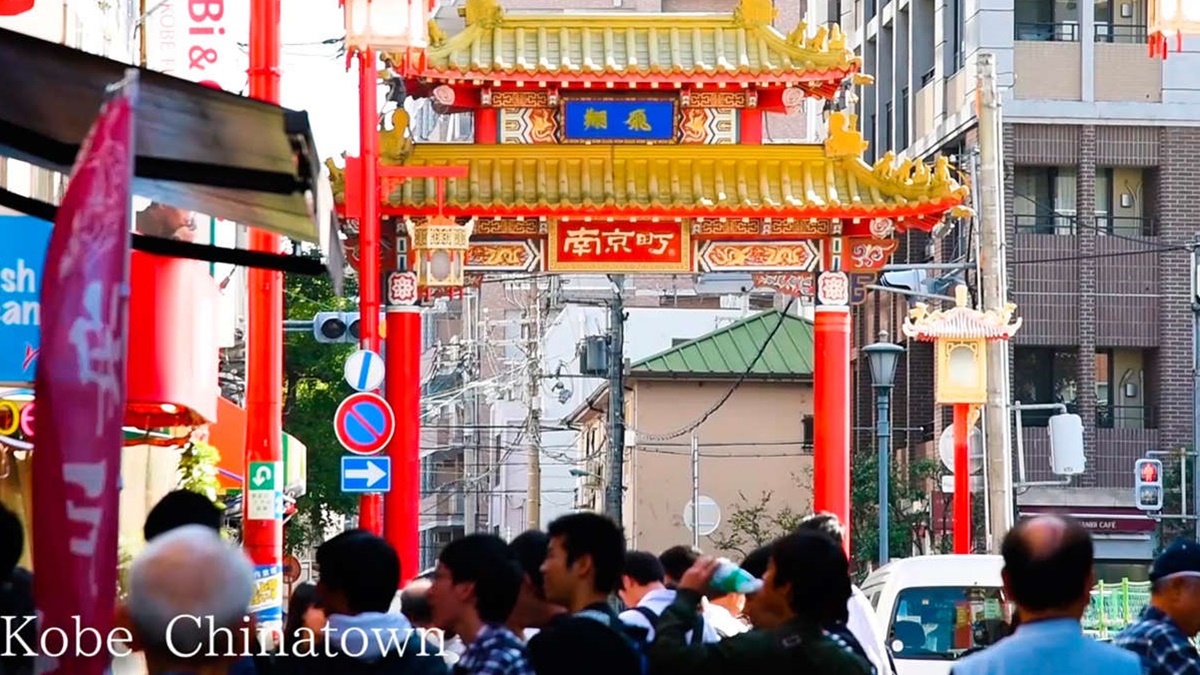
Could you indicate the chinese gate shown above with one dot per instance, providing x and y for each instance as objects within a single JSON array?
[{"x": 627, "y": 143}]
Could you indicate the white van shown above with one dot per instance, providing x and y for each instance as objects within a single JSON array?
[{"x": 935, "y": 609}]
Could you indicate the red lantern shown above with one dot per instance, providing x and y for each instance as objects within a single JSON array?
[{"x": 15, "y": 7}]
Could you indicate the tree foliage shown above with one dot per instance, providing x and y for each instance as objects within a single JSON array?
[
  {"x": 754, "y": 523},
  {"x": 313, "y": 388}
]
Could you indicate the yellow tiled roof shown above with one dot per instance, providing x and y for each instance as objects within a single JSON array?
[
  {"x": 796, "y": 181},
  {"x": 662, "y": 48}
]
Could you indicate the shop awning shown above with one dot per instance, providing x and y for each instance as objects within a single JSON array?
[
  {"x": 228, "y": 436},
  {"x": 198, "y": 148}
]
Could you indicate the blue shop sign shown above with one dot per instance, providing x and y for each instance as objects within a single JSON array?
[
  {"x": 628, "y": 120},
  {"x": 22, "y": 259}
]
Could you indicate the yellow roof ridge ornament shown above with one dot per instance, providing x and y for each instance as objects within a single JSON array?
[
  {"x": 437, "y": 36},
  {"x": 395, "y": 144},
  {"x": 961, "y": 321},
  {"x": 844, "y": 138},
  {"x": 937, "y": 181},
  {"x": 484, "y": 13},
  {"x": 754, "y": 13}
]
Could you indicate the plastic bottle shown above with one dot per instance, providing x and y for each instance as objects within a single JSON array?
[{"x": 733, "y": 579}]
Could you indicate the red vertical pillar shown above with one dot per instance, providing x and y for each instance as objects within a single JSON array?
[
  {"x": 831, "y": 413},
  {"x": 370, "y": 506},
  {"x": 962, "y": 480},
  {"x": 262, "y": 504},
  {"x": 402, "y": 519},
  {"x": 487, "y": 131},
  {"x": 750, "y": 126}
]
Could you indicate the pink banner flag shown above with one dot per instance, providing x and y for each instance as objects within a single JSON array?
[{"x": 80, "y": 387}]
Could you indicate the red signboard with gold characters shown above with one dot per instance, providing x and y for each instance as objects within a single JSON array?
[{"x": 580, "y": 246}]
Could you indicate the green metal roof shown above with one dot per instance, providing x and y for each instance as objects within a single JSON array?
[{"x": 729, "y": 351}]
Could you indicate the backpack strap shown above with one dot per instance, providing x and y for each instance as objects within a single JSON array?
[{"x": 648, "y": 614}]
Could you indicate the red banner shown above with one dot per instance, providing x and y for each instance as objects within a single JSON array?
[
  {"x": 80, "y": 386},
  {"x": 619, "y": 247}
]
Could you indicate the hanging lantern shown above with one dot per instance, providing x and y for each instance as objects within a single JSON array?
[
  {"x": 1171, "y": 19},
  {"x": 439, "y": 250},
  {"x": 389, "y": 25}
]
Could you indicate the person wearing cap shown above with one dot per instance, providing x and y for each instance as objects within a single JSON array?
[
  {"x": 1161, "y": 634},
  {"x": 1048, "y": 572}
]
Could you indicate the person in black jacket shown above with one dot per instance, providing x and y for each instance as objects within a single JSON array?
[{"x": 582, "y": 570}]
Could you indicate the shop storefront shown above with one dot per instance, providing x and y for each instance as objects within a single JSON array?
[
  {"x": 1125, "y": 538},
  {"x": 171, "y": 369}
]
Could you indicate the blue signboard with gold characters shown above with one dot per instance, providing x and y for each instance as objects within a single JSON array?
[{"x": 618, "y": 120}]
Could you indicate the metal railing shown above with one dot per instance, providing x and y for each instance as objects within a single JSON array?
[
  {"x": 1046, "y": 32},
  {"x": 1068, "y": 224},
  {"x": 1130, "y": 226},
  {"x": 1045, "y": 223},
  {"x": 1126, "y": 417},
  {"x": 1115, "y": 606},
  {"x": 1120, "y": 33}
]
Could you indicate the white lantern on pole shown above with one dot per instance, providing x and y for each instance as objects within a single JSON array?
[{"x": 387, "y": 25}]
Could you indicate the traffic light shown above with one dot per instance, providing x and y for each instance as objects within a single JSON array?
[
  {"x": 1148, "y": 488},
  {"x": 335, "y": 327}
]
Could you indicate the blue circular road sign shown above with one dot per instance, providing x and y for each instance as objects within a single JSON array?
[{"x": 364, "y": 423}]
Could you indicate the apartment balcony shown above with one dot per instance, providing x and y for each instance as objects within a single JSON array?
[
  {"x": 925, "y": 112},
  {"x": 1040, "y": 44},
  {"x": 957, "y": 87},
  {"x": 1122, "y": 71},
  {"x": 443, "y": 509}
]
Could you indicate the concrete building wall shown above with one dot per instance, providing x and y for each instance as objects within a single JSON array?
[{"x": 756, "y": 444}]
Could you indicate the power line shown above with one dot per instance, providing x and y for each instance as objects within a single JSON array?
[{"x": 762, "y": 349}]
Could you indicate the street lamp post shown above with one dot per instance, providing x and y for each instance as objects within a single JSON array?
[
  {"x": 882, "y": 358},
  {"x": 400, "y": 25}
]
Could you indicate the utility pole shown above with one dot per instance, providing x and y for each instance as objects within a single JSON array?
[
  {"x": 994, "y": 287},
  {"x": 471, "y": 473},
  {"x": 614, "y": 491},
  {"x": 695, "y": 490},
  {"x": 533, "y": 432},
  {"x": 1195, "y": 303}
]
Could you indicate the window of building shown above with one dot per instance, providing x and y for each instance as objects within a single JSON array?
[
  {"x": 1044, "y": 199},
  {"x": 1046, "y": 20},
  {"x": 888, "y": 119},
  {"x": 1121, "y": 208},
  {"x": 1044, "y": 375},
  {"x": 809, "y": 432},
  {"x": 1120, "y": 21},
  {"x": 903, "y": 125},
  {"x": 1122, "y": 400}
]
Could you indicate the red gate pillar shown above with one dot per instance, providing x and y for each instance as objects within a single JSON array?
[
  {"x": 402, "y": 387},
  {"x": 831, "y": 413},
  {"x": 263, "y": 537},
  {"x": 370, "y": 506}
]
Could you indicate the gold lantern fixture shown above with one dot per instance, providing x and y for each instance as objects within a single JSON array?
[
  {"x": 1171, "y": 19},
  {"x": 439, "y": 253},
  {"x": 960, "y": 336}
]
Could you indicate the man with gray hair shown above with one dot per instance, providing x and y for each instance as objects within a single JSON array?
[{"x": 189, "y": 593}]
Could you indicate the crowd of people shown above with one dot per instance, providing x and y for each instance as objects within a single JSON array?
[{"x": 572, "y": 600}]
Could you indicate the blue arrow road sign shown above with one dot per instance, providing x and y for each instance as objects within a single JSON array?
[{"x": 366, "y": 474}]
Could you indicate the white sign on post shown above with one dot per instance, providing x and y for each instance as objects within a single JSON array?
[{"x": 364, "y": 370}]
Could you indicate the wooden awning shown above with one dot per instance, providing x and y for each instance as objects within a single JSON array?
[{"x": 198, "y": 148}]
